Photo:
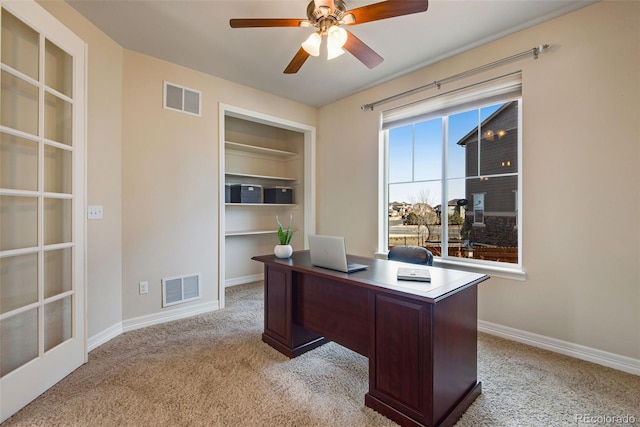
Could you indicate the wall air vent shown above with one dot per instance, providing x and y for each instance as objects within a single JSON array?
[
  {"x": 179, "y": 289},
  {"x": 180, "y": 98}
]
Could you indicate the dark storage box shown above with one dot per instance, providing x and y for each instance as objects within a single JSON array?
[
  {"x": 278, "y": 195},
  {"x": 246, "y": 193},
  {"x": 227, "y": 193}
]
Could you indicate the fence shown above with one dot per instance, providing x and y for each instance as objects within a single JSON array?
[{"x": 501, "y": 254}]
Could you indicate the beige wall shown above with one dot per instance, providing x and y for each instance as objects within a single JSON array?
[
  {"x": 170, "y": 177},
  {"x": 581, "y": 190},
  {"x": 104, "y": 178},
  {"x": 155, "y": 172}
]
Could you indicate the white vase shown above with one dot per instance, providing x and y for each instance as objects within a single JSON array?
[{"x": 283, "y": 251}]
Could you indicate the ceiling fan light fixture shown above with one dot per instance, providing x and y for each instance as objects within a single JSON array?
[
  {"x": 325, "y": 6},
  {"x": 312, "y": 44},
  {"x": 336, "y": 36},
  {"x": 348, "y": 19},
  {"x": 324, "y": 10},
  {"x": 333, "y": 51}
]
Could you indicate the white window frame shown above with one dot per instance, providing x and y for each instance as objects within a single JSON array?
[{"x": 446, "y": 104}]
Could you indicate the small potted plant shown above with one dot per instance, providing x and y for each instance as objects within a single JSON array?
[{"x": 284, "y": 249}]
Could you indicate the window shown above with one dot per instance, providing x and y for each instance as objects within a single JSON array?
[
  {"x": 478, "y": 209},
  {"x": 452, "y": 168}
]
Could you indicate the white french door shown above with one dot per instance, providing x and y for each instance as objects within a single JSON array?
[{"x": 42, "y": 226}]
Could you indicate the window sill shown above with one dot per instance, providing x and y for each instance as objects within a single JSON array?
[{"x": 494, "y": 271}]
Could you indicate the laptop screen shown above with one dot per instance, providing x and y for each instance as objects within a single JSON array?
[{"x": 330, "y": 252}]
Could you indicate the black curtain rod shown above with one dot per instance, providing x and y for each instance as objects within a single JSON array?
[{"x": 535, "y": 51}]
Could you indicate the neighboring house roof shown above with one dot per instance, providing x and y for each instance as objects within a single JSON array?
[
  {"x": 452, "y": 202},
  {"x": 505, "y": 109}
]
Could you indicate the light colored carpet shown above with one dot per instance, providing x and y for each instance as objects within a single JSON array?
[{"x": 214, "y": 370}]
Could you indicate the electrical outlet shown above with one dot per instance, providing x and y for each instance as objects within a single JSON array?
[{"x": 144, "y": 287}]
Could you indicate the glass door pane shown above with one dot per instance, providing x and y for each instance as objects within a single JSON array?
[
  {"x": 57, "y": 322},
  {"x": 19, "y": 104},
  {"x": 18, "y": 340},
  {"x": 18, "y": 163},
  {"x": 57, "y": 170},
  {"x": 57, "y": 221},
  {"x": 57, "y": 272},
  {"x": 20, "y": 46},
  {"x": 18, "y": 281},
  {"x": 18, "y": 222},
  {"x": 57, "y": 72},
  {"x": 57, "y": 119}
]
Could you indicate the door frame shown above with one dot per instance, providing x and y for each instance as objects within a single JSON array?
[{"x": 309, "y": 149}]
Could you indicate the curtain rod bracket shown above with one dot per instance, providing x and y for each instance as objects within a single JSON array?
[{"x": 538, "y": 50}]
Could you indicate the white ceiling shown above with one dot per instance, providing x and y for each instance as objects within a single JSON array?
[{"x": 196, "y": 34}]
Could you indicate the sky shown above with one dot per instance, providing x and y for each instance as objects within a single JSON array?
[{"x": 416, "y": 154}]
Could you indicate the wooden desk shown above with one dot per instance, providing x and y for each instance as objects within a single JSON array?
[{"x": 420, "y": 338}]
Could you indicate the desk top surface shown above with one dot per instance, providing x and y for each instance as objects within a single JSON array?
[{"x": 381, "y": 275}]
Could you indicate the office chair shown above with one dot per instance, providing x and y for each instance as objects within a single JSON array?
[{"x": 412, "y": 254}]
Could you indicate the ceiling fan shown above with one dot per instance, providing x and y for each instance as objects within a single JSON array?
[{"x": 328, "y": 16}]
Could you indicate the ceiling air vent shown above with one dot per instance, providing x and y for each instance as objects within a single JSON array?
[
  {"x": 180, "y": 98},
  {"x": 179, "y": 289}
]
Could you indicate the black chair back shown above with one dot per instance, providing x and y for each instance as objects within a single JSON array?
[{"x": 412, "y": 254}]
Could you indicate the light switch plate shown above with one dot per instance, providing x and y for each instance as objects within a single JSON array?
[
  {"x": 94, "y": 212},
  {"x": 144, "y": 287}
]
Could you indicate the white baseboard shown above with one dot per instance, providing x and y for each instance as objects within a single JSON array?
[
  {"x": 243, "y": 279},
  {"x": 149, "y": 320},
  {"x": 169, "y": 315},
  {"x": 104, "y": 336},
  {"x": 604, "y": 358}
]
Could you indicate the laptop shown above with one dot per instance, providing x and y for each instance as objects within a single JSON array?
[{"x": 331, "y": 252}]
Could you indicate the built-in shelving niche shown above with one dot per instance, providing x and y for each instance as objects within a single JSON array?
[{"x": 259, "y": 149}]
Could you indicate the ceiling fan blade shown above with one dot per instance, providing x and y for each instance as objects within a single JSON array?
[
  {"x": 360, "y": 50},
  {"x": 296, "y": 62},
  {"x": 387, "y": 9},
  {"x": 266, "y": 22}
]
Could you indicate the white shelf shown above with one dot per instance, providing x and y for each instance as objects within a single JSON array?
[
  {"x": 258, "y": 150},
  {"x": 248, "y": 175},
  {"x": 249, "y": 232},
  {"x": 262, "y": 204}
]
